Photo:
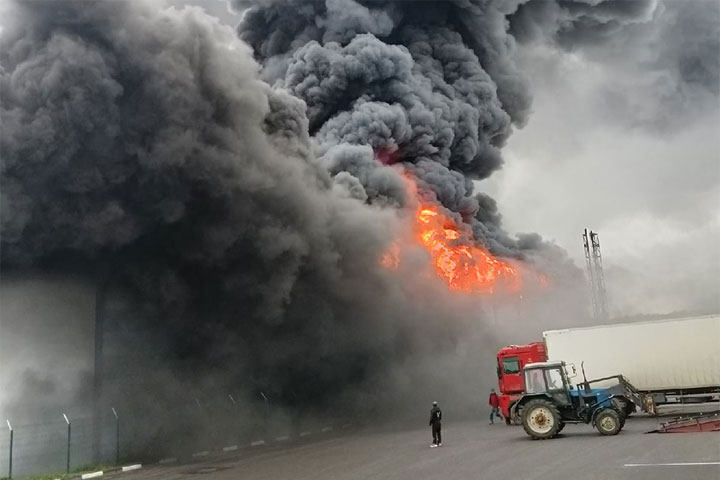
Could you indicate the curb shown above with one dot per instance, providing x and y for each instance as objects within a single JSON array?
[
  {"x": 100, "y": 473},
  {"x": 207, "y": 453}
]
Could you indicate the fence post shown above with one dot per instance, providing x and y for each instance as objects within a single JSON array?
[
  {"x": 117, "y": 436},
  {"x": 67, "y": 465},
  {"x": 11, "y": 448},
  {"x": 267, "y": 405}
]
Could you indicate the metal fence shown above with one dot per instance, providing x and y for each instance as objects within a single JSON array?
[
  {"x": 53, "y": 446},
  {"x": 70, "y": 443}
]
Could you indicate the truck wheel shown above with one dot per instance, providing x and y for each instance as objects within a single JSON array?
[
  {"x": 608, "y": 422},
  {"x": 540, "y": 419}
]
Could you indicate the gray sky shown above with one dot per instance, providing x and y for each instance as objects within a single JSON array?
[
  {"x": 620, "y": 143},
  {"x": 623, "y": 139}
]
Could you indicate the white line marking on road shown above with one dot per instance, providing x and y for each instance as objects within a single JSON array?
[
  {"x": 167, "y": 460},
  {"x": 683, "y": 464},
  {"x": 92, "y": 475},
  {"x": 282, "y": 439},
  {"x": 201, "y": 454},
  {"x": 327, "y": 429},
  {"x": 130, "y": 468},
  {"x": 230, "y": 448},
  {"x": 207, "y": 470},
  {"x": 257, "y": 442},
  {"x": 305, "y": 434}
]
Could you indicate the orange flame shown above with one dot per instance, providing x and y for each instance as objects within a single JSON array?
[
  {"x": 464, "y": 266},
  {"x": 458, "y": 260}
]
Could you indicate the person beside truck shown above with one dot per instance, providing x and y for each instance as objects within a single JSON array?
[{"x": 494, "y": 403}]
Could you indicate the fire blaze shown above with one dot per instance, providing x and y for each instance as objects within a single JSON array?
[
  {"x": 464, "y": 266},
  {"x": 456, "y": 257}
]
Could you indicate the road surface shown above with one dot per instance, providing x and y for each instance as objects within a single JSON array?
[{"x": 471, "y": 450}]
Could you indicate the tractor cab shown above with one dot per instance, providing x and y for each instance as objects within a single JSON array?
[{"x": 551, "y": 379}]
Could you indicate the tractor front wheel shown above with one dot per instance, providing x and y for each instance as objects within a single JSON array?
[
  {"x": 608, "y": 422},
  {"x": 540, "y": 419}
]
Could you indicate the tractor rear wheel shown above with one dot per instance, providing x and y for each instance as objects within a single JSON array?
[
  {"x": 608, "y": 422},
  {"x": 541, "y": 419}
]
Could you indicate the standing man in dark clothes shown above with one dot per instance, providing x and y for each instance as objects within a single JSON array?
[
  {"x": 494, "y": 402},
  {"x": 435, "y": 423}
]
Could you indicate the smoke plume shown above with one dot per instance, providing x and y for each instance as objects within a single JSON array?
[{"x": 231, "y": 198}]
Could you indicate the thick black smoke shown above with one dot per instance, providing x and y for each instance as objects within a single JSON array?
[
  {"x": 431, "y": 84},
  {"x": 141, "y": 150},
  {"x": 235, "y": 227},
  {"x": 139, "y": 144}
]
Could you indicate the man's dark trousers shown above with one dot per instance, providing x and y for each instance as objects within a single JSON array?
[{"x": 437, "y": 435}]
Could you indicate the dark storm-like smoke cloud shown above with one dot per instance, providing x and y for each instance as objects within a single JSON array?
[
  {"x": 430, "y": 84},
  {"x": 139, "y": 143},
  {"x": 574, "y": 23},
  {"x": 242, "y": 222},
  {"x": 686, "y": 34},
  {"x": 669, "y": 49}
]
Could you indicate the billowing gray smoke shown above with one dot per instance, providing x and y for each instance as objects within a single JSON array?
[
  {"x": 431, "y": 84},
  {"x": 141, "y": 150},
  {"x": 574, "y": 23},
  {"x": 139, "y": 147},
  {"x": 237, "y": 224}
]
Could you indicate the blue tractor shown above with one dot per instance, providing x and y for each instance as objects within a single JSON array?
[{"x": 550, "y": 401}]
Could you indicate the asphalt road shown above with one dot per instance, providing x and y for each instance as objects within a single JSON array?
[{"x": 472, "y": 450}]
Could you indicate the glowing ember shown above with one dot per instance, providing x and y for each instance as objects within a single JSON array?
[{"x": 464, "y": 266}]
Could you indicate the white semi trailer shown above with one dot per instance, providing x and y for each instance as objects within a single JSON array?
[{"x": 670, "y": 361}]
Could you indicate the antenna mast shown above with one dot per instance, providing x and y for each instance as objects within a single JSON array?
[{"x": 596, "y": 277}]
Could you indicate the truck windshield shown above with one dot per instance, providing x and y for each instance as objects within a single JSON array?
[{"x": 511, "y": 365}]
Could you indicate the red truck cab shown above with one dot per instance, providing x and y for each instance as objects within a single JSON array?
[{"x": 510, "y": 362}]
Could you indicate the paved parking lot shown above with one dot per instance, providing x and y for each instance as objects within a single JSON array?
[{"x": 471, "y": 450}]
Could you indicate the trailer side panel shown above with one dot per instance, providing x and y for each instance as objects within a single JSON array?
[{"x": 655, "y": 356}]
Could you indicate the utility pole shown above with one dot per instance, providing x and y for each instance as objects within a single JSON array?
[{"x": 596, "y": 277}]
